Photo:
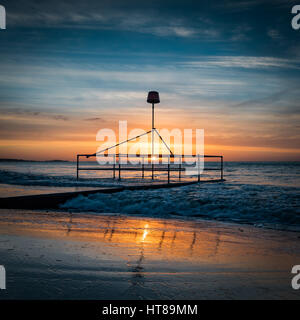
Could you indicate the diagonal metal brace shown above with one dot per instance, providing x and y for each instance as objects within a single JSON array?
[
  {"x": 164, "y": 142},
  {"x": 118, "y": 144}
]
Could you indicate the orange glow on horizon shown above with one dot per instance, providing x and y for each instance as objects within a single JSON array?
[
  {"x": 66, "y": 150},
  {"x": 48, "y": 139}
]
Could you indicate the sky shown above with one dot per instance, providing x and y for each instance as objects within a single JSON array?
[{"x": 70, "y": 68}]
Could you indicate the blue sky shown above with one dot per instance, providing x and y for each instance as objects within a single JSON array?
[{"x": 68, "y": 68}]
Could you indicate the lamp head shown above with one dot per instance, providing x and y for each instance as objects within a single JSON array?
[{"x": 153, "y": 97}]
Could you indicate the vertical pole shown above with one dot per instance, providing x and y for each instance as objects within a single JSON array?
[
  {"x": 114, "y": 166},
  {"x": 221, "y": 167},
  {"x": 152, "y": 129},
  {"x": 152, "y": 115},
  {"x": 179, "y": 170},
  {"x": 77, "y": 166},
  {"x": 143, "y": 165},
  {"x": 169, "y": 170},
  {"x": 198, "y": 168},
  {"x": 152, "y": 170},
  {"x": 119, "y": 168},
  {"x": 152, "y": 140}
]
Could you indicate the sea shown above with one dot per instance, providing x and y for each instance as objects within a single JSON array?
[{"x": 263, "y": 194}]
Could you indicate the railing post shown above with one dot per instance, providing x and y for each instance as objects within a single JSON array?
[
  {"x": 119, "y": 167},
  {"x": 152, "y": 168},
  {"x": 114, "y": 167},
  {"x": 77, "y": 167},
  {"x": 169, "y": 169},
  {"x": 198, "y": 167},
  {"x": 221, "y": 167},
  {"x": 179, "y": 173}
]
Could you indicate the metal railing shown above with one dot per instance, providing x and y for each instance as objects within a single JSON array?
[{"x": 116, "y": 163}]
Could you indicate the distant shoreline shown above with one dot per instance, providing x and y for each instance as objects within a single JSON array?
[
  {"x": 22, "y": 160},
  {"x": 237, "y": 161}
]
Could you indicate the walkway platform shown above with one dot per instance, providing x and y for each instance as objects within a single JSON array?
[{"x": 54, "y": 200}]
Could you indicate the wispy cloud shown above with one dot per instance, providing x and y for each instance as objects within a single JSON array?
[
  {"x": 245, "y": 5},
  {"x": 282, "y": 102},
  {"x": 274, "y": 34},
  {"x": 94, "y": 119},
  {"x": 247, "y": 62},
  {"x": 54, "y": 19},
  {"x": 26, "y": 113},
  {"x": 241, "y": 33},
  {"x": 102, "y": 19},
  {"x": 180, "y": 31}
]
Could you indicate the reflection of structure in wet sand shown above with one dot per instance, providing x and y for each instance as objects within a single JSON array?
[
  {"x": 140, "y": 235},
  {"x": 69, "y": 224},
  {"x": 111, "y": 233},
  {"x": 137, "y": 279},
  {"x": 165, "y": 237},
  {"x": 124, "y": 257},
  {"x": 161, "y": 240},
  {"x": 217, "y": 242},
  {"x": 173, "y": 239},
  {"x": 193, "y": 243}
]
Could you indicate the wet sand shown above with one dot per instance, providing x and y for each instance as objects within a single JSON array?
[{"x": 56, "y": 255}]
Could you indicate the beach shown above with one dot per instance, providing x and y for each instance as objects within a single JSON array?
[
  {"x": 96, "y": 238},
  {"x": 65, "y": 255}
]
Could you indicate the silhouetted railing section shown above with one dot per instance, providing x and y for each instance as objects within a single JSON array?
[{"x": 116, "y": 163}]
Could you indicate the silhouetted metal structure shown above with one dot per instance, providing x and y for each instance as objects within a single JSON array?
[{"x": 166, "y": 162}]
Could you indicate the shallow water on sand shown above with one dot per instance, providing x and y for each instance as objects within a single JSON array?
[{"x": 79, "y": 256}]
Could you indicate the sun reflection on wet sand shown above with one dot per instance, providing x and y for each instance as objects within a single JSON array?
[
  {"x": 153, "y": 256},
  {"x": 174, "y": 239},
  {"x": 145, "y": 232}
]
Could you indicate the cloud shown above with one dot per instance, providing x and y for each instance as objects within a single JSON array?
[
  {"x": 246, "y": 5},
  {"x": 284, "y": 102},
  {"x": 241, "y": 33},
  {"x": 99, "y": 15},
  {"x": 246, "y": 62},
  {"x": 79, "y": 91},
  {"x": 26, "y": 113},
  {"x": 241, "y": 5},
  {"x": 55, "y": 19},
  {"x": 274, "y": 34},
  {"x": 136, "y": 23},
  {"x": 94, "y": 119},
  {"x": 164, "y": 31},
  {"x": 59, "y": 117}
]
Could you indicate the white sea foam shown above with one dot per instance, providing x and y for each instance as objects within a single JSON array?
[
  {"x": 253, "y": 204},
  {"x": 264, "y": 194}
]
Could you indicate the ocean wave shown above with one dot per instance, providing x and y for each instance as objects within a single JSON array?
[
  {"x": 35, "y": 179},
  {"x": 255, "y": 193},
  {"x": 241, "y": 203}
]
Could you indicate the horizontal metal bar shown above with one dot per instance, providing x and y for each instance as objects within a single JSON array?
[
  {"x": 145, "y": 169},
  {"x": 131, "y": 169},
  {"x": 150, "y": 156}
]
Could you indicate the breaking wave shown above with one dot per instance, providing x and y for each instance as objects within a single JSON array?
[
  {"x": 259, "y": 205},
  {"x": 259, "y": 193}
]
